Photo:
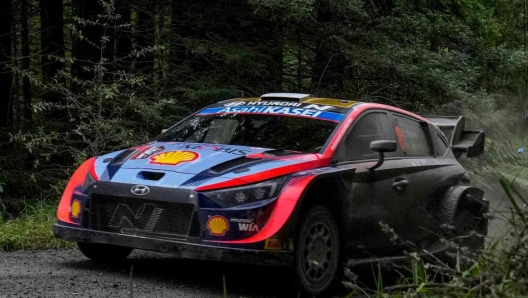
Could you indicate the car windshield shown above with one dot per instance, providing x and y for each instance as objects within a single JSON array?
[{"x": 265, "y": 131}]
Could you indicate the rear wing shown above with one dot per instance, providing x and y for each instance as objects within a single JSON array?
[{"x": 460, "y": 140}]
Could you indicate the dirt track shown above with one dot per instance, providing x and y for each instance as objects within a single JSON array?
[
  {"x": 66, "y": 273},
  {"x": 500, "y": 209}
]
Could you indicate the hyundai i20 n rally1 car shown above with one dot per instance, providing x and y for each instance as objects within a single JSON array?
[{"x": 281, "y": 179}]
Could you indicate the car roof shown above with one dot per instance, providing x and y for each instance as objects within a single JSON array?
[{"x": 299, "y": 98}]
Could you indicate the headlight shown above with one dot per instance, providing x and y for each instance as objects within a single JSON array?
[
  {"x": 88, "y": 181},
  {"x": 247, "y": 194}
]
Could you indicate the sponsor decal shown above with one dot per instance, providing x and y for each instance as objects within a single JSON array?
[
  {"x": 248, "y": 227},
  {"x": 401, "y": 140},
  {"x": 217, "y": 225},
  {"x": 343, "y": 130},
  {"x": 272, "y": 244},
  {"x": 318, "y": 107},
  {"x": 288, "y": 111},
  {"x": 245, "y": 225},
  {"x": 140, "y": 190},
  {"x": 264, "y": 103},
  {"x": 173, "y": 158},
  {"x": 279, "y": 104},
  {"x": 145, "y": 218},
  {"x": 273, "y": 110},
  {"x": 75, "y": 208},
  {"x": 241, "y": 220},
  {"x": 147, "y": 152},
  {"x": 217, "y": 148}
]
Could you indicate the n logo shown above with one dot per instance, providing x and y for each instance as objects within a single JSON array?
[
  {"x": 318, "y": 107},
  {"x": 145, "y": 218}
]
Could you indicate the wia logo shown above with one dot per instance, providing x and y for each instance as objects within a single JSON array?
[
  {"x": 248, "y": 227},
  {"x": 145, "y": 218}
]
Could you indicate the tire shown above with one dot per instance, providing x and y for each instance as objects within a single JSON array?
[
  {"x": 466, "y": 225},
  {"x": 317, "y": 251},
  {"x": 105, "y": 253}
]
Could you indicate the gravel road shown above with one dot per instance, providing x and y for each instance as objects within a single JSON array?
[{"x": 67, "y": 273}]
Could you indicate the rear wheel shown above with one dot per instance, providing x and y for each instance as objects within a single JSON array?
[
  {"x": 317, "y": 251},
  {"x": 104, "y": 252},
  {"x": 468, "y": 235},
  {"x": 470, "y": 231}
]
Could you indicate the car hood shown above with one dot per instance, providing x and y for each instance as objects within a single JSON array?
[{"x": 198, "y": 164}]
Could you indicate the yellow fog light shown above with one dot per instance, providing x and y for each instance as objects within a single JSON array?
[{"x": 75, "y": 208}]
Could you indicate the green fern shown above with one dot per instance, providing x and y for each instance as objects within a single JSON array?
[{"x": 501, "y": 157}]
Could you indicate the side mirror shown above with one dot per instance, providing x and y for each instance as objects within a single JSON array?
[
  {"x": 164, "y": 130},
  {"x": 381, "y": 147}
]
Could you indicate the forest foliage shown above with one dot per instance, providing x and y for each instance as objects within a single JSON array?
[{"x": 79, "y": 78}]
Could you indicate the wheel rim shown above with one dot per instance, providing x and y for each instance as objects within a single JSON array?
[{"x": 317, "y": 252}]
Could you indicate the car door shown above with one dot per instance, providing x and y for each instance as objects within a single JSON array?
[
  {"x": 423, "y": 173},
  {"x": 374, "y": 200}
]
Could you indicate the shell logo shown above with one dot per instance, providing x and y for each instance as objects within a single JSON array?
[
  {"x": 217, "y": 225},
  {"x": 75, "y": 208},
  {"x": 173, "y": 158}
]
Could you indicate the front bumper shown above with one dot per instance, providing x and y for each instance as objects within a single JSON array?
[{"x": 184, "y": 250}]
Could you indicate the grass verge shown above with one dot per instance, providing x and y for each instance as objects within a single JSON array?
[
  {"x": 500, "y": 271},
  {"x": 32, "y": 230}
]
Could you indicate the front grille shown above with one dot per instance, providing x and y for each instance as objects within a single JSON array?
[
  {"x": 138, "y": 216},
  {"x": 195, "y": 226}
]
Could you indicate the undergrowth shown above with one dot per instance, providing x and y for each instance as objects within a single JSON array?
[
  {"x": 501, "y": 270},
  {"x": 31, "y": 230},
  {"x": 504, "y": 154}
]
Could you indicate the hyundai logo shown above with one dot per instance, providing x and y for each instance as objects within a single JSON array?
[{"x": 140, "y": 190}]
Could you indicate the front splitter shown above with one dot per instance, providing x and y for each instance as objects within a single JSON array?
[{"x": 179, "y": 249}]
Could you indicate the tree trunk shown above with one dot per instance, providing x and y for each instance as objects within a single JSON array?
[
  {"x": 86, "y": 45},
  {"x": 26, "y": 85},
  {"x": 328, "y": 71},
  {"x": 123, "y": 38},
  {"x": 52, "y": 47},
  {"x": 6, "y": 76},
  {"x": 145, "y": 39}
]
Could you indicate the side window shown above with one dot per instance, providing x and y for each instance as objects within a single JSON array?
[
  {"x": 442, "y": 145},
  {"x": 412, "y": 137},
  {"x": 356, "y": 144}
]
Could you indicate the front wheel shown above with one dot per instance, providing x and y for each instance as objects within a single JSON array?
[
  {"x": 106, "y": 253},
  {"x": 317, "y": 251}
]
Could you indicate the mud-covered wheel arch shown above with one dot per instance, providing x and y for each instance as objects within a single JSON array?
[
  {"x": 458, "y": 200},
  {"x": 328, "y": 191}
]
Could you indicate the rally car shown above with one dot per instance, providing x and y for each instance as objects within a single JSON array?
[{"x": 282, "y": 179}]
